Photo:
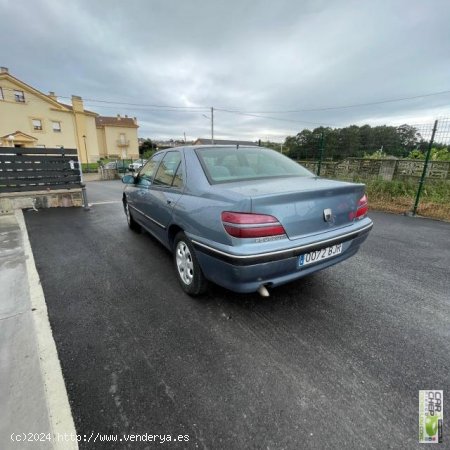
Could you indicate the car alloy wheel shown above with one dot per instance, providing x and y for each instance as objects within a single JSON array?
[
  {"x": 185, "y": 264},
  {"x": 189, "y": 273}
]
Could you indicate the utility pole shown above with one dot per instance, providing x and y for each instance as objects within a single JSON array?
[
  {"x": 85, "y": 150},
  {"x": 212, "y": 125}
]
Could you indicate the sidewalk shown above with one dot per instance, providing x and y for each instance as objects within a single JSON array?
[{"x": 33, "y": 398}]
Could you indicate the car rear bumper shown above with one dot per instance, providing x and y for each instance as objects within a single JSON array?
[{"x": 245, "y": 273}]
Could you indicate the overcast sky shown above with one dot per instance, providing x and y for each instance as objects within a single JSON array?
[{"x": 239, "y": 55}]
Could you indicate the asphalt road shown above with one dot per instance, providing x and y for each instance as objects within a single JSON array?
[{"x": 335, "y": 360}]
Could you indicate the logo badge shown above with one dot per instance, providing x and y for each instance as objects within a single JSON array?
[
  {"x": 328, "y": 215},
  {"x": 431, "y": 416}
]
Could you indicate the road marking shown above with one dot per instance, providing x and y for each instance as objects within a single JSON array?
[
  {"x": 105, "y": 203},
  {"x": 60, "y": 414}
]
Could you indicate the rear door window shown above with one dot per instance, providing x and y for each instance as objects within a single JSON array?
[{"x": 178, "y": 179}]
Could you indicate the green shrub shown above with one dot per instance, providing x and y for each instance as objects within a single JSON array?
[
  {"x": 90, "y": 167},
  {"x": 437, "y": 191},
  {"x": 148, "y": 154}
]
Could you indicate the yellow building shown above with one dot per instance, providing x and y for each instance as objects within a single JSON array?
[
  {"x": 117, "y": 137},
  {"x": 30, "y": 118}
]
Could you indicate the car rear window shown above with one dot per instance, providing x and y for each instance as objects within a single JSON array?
[{"x": 223, "y": 164}]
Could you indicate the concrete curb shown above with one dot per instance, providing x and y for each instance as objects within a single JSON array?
[{"x": 58, "y": 407}]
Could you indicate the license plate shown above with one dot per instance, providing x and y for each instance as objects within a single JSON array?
[{"x": 319, "y": 255}]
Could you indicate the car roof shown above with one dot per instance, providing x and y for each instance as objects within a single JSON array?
[{"x": 210, "y": 146}]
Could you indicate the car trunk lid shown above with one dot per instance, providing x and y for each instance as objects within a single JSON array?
[{"x": 304, "y": 205}]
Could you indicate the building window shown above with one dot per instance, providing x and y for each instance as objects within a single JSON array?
[
  {"x": 37, "y": 124},
  {"x": 19, "y": 96},
  {"x": 1, "y": 94},
  {"x": 56, "y": 127}
]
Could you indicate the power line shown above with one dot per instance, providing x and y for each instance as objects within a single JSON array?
[
  {"x": 93, "y": 100},
  {"x": 356, "y": 105},
  {"x": 198, "y": 108},
  {"x": 201, "y": 108},
  {"x": 107, "y": 104},
  {"x": 325, "y": 108},
  {"x": 272, "y": 118},
  {"x": 146, "y": 109}
]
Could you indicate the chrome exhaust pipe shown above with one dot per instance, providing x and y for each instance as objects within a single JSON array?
[{"x": 263, "y": 292}]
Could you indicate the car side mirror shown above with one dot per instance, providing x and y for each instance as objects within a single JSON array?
[{"x": 128, "y": 179}]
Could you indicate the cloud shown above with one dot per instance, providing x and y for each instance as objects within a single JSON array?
[{"x": 250, "y": 56}]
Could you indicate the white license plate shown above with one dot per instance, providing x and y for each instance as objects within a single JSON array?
[{"x": 319, "y": 255}]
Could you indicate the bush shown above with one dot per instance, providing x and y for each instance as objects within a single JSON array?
[
  {"x": 434, "y": 191},
  {"x": 437, "y": 154},
  {"x": 147, "y": 154},
  {"x": 91, "y": 167}
]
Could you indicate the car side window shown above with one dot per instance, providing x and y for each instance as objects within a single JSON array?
[
  {"x": 178, "y": 178},
  {"x": 148, "y": 171},
  {"x": 168, "y": 170}
]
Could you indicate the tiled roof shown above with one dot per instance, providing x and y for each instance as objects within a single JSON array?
[{"x": 102, "y": 121}]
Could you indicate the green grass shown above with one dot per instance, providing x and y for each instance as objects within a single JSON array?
[
  {"x": 91, "y": 166},
  {"x": 399, "y": 196},
  {"x": 433, "y": 191}
]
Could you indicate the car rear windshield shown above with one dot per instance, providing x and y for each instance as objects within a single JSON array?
[{"x": 223, "y": 164}]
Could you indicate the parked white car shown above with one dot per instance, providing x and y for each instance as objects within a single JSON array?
[{"x": 136, "y": 165}]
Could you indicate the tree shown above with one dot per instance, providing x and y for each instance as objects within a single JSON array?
[
  {"x": 350, "y": 141},
  {"x": 355, "y": 141},
  {"x": 146, "y": 146},
  {"x": 304, "y": 145},
  {"x": 409, "y": 137},
  {"x": 273, "y": 145}
]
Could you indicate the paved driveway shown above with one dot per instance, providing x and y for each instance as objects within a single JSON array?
[{"x": 331, "y": 361}]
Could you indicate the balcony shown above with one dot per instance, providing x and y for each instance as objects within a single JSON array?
[{"x": 123, "y": 143}]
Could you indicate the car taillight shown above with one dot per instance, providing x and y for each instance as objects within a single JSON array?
[
  {"x": 245, "y": 225},
  {"x": 361, "y": 208}
]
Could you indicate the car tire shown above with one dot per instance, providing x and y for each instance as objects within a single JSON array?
[
  {"x": 187, "y": 268},
  {"x": 131, "y": 222}
]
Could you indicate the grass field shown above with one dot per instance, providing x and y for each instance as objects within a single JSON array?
[{"x": 399, "y": 197}]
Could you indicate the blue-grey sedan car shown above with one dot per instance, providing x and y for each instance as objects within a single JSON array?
[{"x": 245, "y": 218}]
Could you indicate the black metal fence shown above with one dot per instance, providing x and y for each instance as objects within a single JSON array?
[{"x": 32, "y": 169}]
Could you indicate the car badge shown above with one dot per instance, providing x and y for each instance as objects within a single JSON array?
[{"x": 328, "y": 215}]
